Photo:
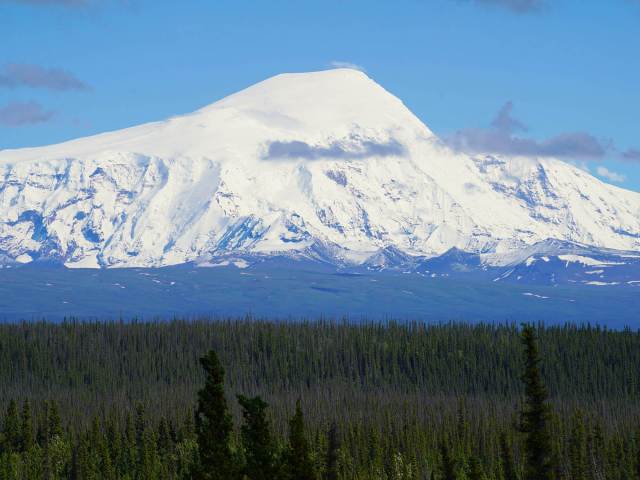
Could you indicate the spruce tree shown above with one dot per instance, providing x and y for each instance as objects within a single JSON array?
[
  {"x": 333, "y": 449},
  {"x": 149, "y": 455},
  {"x": 214, "y": 425},
  {"x": 257, "y": 440},
  {"x": 578, "y": 448},
  {"x": 54, "y": 422},
  {"x": 130, "y": 450},
  {"x": 597, "y": 451},
  {"x": 375, "y": 454},
  {"x": 26, "y": 427},
  {"x": 74, "y": 469},
  {"x": 448, "y": 464},
  {"x": 140, "y": 423},
  {"x": 141, "y": 447},
  {"x": 164, "y": 437},
  {"x": 475, "y": 469},
  {"x": 298, "y": 459},
  {"x": 42, "y": 432},
  {"x": 506, "y": 459},
  {"x": 114, "y": 442},
  {"x": 107, "y": 470},
  {"x": 11, "y": 430},
  {"x": 535, "y": 415},
  {"x": 638, "y": 454},
  {"x": 187, "y": 430}
]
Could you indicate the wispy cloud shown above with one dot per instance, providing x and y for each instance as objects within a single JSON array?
[
  {"x": 516, "y": 6},
  {"x": 505, "y": 121},
  {"x": 341, "y": 64},
  {"x": 352, "y": 148},
  {"x": 17, "y": 114},
  {"x": 501, "y": 138},
  {"x": 607, "y": 174},
  {"x": 632, "y": 155},
  {"x": 14, "y": 75},
  {"x": 66, "y": 3}
]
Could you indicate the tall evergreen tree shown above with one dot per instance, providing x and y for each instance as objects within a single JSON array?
[
  {"x": 448, "y": 464},
  {"x": 507, "y": 463},
  {"x": 596, "y": 453},
  {"x": 214, "y": 425},
  {"x": 143, "y": 454},
  {"x": 42, "y": 432},
  {"x": 107, "y": 471},
  {"x": 637, "y": 459},
  {"x": 257, "y": 440},
  {"x": 475, "y": 469},
  {"x": 130, "y": 450},
  {"x": 333, "y": 450},
  {"x": 298, "y": 459},
  {"x": 164, "y": 437},
  {"x": 11, "y": 430},
  {"x": 578, "y": 448},
  {"x": 26, "y": 427},
  {"x": 54, "y": 422},
  {"x": 535, "y": 414}
]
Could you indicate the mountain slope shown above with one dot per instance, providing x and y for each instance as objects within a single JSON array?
[{"x": 325, "y": 164}]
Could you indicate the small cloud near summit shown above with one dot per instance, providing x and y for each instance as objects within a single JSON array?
[
  {"x": 500, "y": 138},
  {"x": 17, "y": 114},
  {"x": 352, "y": 66},
  {"x": 610, "y": 175},
  {"x": 505, "y": 121},
  {"x": 352, "y": 148}
]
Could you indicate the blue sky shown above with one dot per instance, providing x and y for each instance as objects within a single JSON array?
[{"x": 556, "y": 76}]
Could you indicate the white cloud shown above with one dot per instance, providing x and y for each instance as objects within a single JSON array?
[
  {"x": 609, "y": 175},
  {"x": 500, "y": 138},
  {"x": 341, "y": 64}
]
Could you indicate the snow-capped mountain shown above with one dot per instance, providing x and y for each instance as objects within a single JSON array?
[{"x": 315, "y": 165}]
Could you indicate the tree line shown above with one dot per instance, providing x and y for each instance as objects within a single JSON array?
[{"x": 385, "y": 419}]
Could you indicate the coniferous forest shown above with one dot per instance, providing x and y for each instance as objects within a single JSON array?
[{"x": 249, "y": 399}]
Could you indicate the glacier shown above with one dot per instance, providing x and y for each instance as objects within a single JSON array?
[{"x": 325, "y": 166}]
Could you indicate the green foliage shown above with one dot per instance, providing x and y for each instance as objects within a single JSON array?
[
  {"x": 332, "y": 471},
  {"x": 578, "y": 448},
  {"x": 298, "y": 463},
  {"x": 507, "y": 465},
  {"x": 448, "y": 463},
  {"x": 26, "y": 427},
  {"x": 11, "y": 431},
  {"x": 120, "y": 400},
  {"x": 257, "y": 440},
  {"x": 535, "y": 415},
  {"x": 637, "y": 459},
  {"x": 214, "y": 425},
  {"x": 475, "y": 469}
]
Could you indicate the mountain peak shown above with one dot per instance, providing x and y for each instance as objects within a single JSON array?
[
  {"x": 319, "y": 108},
  {"x": 328, "y": 102},
  {"x": 297, "y": 161},
  {"x": 322, "y": 82}
]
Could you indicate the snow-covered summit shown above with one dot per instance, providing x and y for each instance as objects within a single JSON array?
[
  {"x": 313, "y": 107},
  {"x": 325, "y": 163}
]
